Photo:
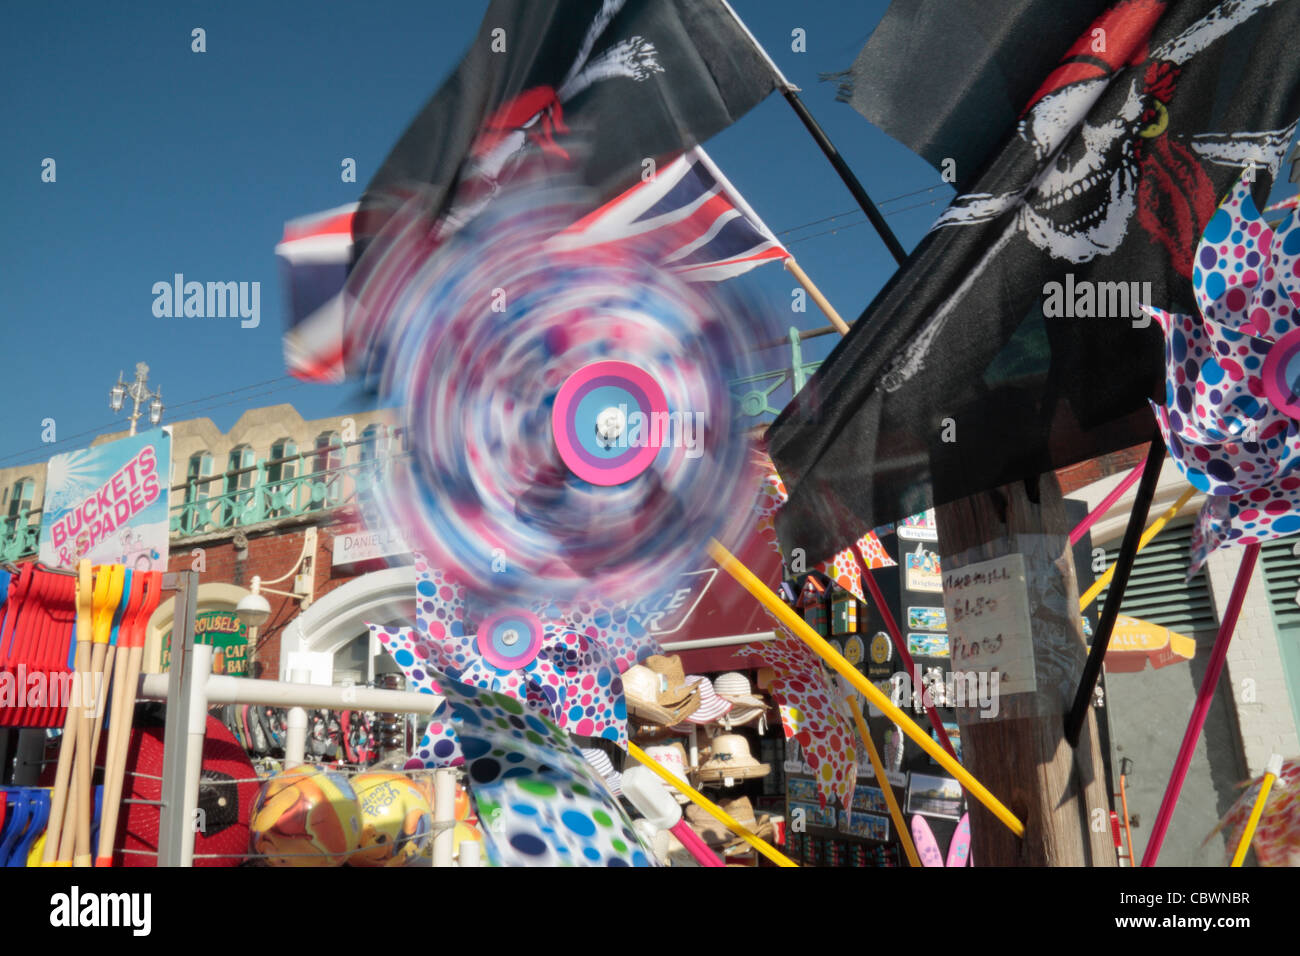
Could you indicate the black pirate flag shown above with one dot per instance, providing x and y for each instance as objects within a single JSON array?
[
  {"x": 630, "y": 80},
  {"x": 1011, "y": 343}
]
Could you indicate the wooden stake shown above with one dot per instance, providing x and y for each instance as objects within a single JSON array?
[{"x": 822, "y": 302}]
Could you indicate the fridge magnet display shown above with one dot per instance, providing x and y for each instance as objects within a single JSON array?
[
  {"x": 923, "y": 573},
  {"x": 933, "y": 796},
  {"x": 920, "y": 527},
  {"x": 866, "y": 825},
  {"x": 927, "y": 619},
  {"x": 927, "y": 645}
]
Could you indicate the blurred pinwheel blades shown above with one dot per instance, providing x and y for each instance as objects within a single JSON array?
[
  {"x": 540, "y": 802},
  {"x": 1231, "y": 417}
]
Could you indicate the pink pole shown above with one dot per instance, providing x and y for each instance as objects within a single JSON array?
[
  {"x": 695, "y": 844},
  {"x": 1105, "y": 504},
  {"x": 1203, "y": 699}
]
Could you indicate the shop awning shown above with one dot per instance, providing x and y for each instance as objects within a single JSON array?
[{"x": 1135, "y": 642}]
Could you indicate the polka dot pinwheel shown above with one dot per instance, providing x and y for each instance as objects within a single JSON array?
[
  {"x": 1231, "y": 417},
  {"x": 561, "y": 660}
]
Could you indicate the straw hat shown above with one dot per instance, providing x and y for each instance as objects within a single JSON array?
[
  {"x": 730, "y": 759},
  {"x": 659, "y": 693},
  {"x": 716, "y": 834},
  {"x": 711, "y": 705}
]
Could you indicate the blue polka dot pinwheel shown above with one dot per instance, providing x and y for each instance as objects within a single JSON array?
[
  {"x": 561, "y": 661},
  {"x": 1231, "y": 417}
]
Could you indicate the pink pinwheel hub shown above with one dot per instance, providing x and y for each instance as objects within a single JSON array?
[
  {"x": 597, "y": 422},
  {"x": 509, "y": 639},
  {"x": 1282, "y": 374}
]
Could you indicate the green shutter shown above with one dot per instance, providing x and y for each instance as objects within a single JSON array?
[
  {"x": 1158, "y": 590},
  {"x": 1282, "y": 573}
]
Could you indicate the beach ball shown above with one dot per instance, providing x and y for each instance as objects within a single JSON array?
[
  {"x": 467, "y": 829},
  {"x": 306, "y": 817},
  {"x": 396, "y": 819}
]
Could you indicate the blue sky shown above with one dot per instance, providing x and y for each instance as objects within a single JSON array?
[{"x": 172, "y": 161}]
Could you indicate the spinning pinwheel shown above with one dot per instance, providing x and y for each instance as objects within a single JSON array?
[
  {"x": 557, "y": 660},
  {"x": 1232, "y": 389}
]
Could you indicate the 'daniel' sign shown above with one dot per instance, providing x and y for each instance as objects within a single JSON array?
[
  {"x": 109, "y": 504},
  {"x": 987, "y": 607}
]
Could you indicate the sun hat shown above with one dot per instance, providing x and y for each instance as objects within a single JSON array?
[
  {"x": 717, "y": 834},
  {"x": 730, "y": 759},
  {"x": 648, "y": 697},
  {"x": 711, "y": 705},
  {"x": 734, "y": 686},
  {"x": 600, "y": 762},
  {"x": 672, "y": 757}
]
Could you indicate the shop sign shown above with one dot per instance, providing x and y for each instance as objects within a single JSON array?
[
  {"x": 368, "y": 545},
  {"x": 228, "y": 637},
  {"x": 108, "y": 504}
]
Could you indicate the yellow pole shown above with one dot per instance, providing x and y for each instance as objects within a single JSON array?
[
  {"x": 895, "y": 810},
  {"x": 822, "y": 302},
  {"x": 700, "y": 800},
  {"x": 1248, "y": 834},
  {"x": 727, "y": 561},
  {"x": 1154, "y": 529}
]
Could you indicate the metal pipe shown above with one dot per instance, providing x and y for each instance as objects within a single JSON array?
[
  {"x": 224, "y": 689},
  {"x": 444, "y": 816},
  {"x": 295, "y": 737}
]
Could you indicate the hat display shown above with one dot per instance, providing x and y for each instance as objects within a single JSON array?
[
  {"x": 711, "y": 705},
  {"x": 657, "y": 691},
  {"x": 672, "y": 757},
  {"x": 730, "y": 759}
]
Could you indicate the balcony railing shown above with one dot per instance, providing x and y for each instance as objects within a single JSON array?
[{"x": 327, "y": 478}]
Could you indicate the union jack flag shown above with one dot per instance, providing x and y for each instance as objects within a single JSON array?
[
  {"x": 706, "y": 230},
  {"x": 315, "y": 256}
]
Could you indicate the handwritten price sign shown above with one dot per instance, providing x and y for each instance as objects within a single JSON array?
[{"x": 988, "y": 622}]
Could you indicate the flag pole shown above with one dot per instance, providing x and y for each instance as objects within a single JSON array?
[
  {"x": 823, "y": 303},
  {"x": 791, "y": 94}
]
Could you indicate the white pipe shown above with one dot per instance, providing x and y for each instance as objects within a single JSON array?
[
  {"x": 444, "y": 816},
  {"x": 295, "y": 735},
  {"x": 196, "y": 731},
  {"x": 760, "y": 637},
  {"x": 470, "y": 853},
  {"x": 223, "y": 689}
]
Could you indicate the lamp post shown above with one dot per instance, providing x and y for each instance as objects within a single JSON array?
[{"x": 139, "y": 392}]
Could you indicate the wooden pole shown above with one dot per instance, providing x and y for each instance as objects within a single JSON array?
[
  {"x": 1059, "y": 791},
  {"x": 822, "y": 302}
]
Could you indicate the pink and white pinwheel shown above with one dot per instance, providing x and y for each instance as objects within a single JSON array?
[
  {"x": 555, "y": 659},
  {"x": 1231, "y": 417},
  {"x": 842, "y": 568}
]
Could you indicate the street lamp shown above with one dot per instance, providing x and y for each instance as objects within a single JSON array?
[{"x": 139, "y": 392}]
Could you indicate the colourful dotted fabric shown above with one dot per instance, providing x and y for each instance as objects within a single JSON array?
[
  {"x": 842, "y": 568},
  {"x": 572, "y": 678},
  {"x": 538, "y": 800},
  {"x": 812, "y": 714},
  {"x": 1222, "y": 429},
  {"x": 439, "y": 747},
  {"x": 1277, "y": 838}
]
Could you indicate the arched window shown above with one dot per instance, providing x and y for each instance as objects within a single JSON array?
[
  {"x": 282, "y": 467},
  {"x": 327, "y": 464},
  {"x": 240, "y": 478},
  {"x": 20, "y": 501},
  {"x": 197, "y": 473}
]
